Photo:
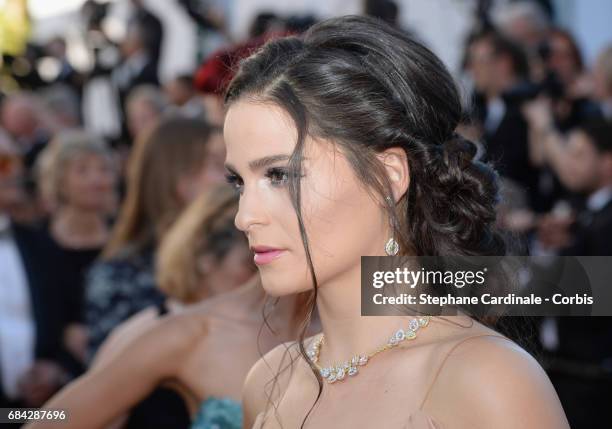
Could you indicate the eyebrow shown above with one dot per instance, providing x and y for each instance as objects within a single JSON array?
[{"x": 262, "y": 162}]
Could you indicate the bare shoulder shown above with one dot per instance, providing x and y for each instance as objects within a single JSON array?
[
  {"x": 124, "y": 334},
  {"x": 490, "y": 381},
  {"x": 268, "y": 378},
  {"x": 163, "y": 344},
  {"x": 179, "y": 331},
  {"x": 276, "y": 363},
  {"x": 277, "y": 359}
]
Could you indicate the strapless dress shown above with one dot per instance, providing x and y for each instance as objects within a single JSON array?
[{"x": 218, "y": 413}]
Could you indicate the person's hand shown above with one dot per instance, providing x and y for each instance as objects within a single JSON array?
[
  {"x": 582, "y": 87},
  {"x": 40, "y": 382},
  {"x": 517, "y": 220},
  {"x": 538, "y": 114},
  {"x": 75, "y": 341},
  {"x": 554, "y": 231}
]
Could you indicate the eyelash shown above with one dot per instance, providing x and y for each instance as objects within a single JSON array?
[
  {"x": 234, "y": 181},
  {"x": 278, "y": 177}
]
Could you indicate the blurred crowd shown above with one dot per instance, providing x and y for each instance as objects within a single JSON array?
[{"x": 96, "y": 167}]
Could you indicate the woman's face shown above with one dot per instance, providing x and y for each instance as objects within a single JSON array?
[
  {"x": 585, "y": 168},
  {"x": 562, "y": 59},
  {"x": 89, "y": 182},
  {"x": 232, "y": 271},
  {"x": 211, "y": 173},
  {"x": 342, "y": 220},
  {"x": 481, "y": 59}
]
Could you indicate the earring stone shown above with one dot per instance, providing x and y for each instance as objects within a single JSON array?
[{"x": 392, "y": 248}]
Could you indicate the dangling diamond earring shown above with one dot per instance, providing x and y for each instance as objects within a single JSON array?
[{"x": 391, "y": 248}]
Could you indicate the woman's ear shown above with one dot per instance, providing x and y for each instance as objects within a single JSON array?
[{"x": 395, "y": 162}]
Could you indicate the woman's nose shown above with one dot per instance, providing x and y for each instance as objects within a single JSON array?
[{"x": 250, "y": 212}]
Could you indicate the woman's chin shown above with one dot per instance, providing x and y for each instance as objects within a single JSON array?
[
  {"x": 278, "y": 291},
  {"x": 277, "y": 288}
]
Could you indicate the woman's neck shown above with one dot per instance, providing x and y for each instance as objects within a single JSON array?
[
  {"x": 280, "y": 313},
  {"x": 347, "y": 333},
  {"x": 73, "y": 227}
]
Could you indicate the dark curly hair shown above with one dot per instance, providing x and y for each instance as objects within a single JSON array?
[{"x": 368, "y": 87}]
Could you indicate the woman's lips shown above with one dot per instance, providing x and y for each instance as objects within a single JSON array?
[{"x": 265, "y": 256}]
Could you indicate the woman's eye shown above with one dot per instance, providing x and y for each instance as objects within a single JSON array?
[
  {"x": 278, "y": 176},
  {"x": 234, "y": 181}
]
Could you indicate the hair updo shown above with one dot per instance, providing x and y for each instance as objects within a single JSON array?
[{"x": 368, "y": 87}]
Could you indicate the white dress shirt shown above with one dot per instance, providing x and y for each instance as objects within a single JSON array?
[
  {"x": 599, "y": 199},
  {"x": 496, "y": 110},
  {"x": 17, "y": 329}
]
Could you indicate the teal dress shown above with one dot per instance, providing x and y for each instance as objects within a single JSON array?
[{"x": 218, "y": 413}]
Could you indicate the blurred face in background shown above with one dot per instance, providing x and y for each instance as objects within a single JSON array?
[
  {"x": 493, "y": 72},
  {"x": 141, "y": 115},
  {"x": 88, "y": 182},
  {"x": 20, "y": 117},
  {"x": 481, "y": 63},
  {"x": 211, "y": 173},
  {"x": 585, "y": 168},
  {"x": 178, "y": 92},
  {"x": 132, "y": 43},
  {"x": 231, "y": 271},
  {"x": 562, "y": 58}
]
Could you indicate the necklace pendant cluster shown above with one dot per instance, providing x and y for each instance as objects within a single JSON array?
[{"x": 350, "y": 368}]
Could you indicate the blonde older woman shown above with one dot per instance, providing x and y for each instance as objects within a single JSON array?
[{"x": 77, "y": 178}]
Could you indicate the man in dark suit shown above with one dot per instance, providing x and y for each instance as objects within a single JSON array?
[
  {"x": 33, "y": 363},
  {"x": 591, "y": 174},
  {"x": 580, "y": 362},
  {"x": 141, "y": 50},
  {"x": 499, "y": 70}
]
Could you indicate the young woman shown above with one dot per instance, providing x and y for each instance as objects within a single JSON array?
[
  {"x": 170, "y": 165},
  {"x": 202, "y": 351},
  {"x": 342, "y": 144}
]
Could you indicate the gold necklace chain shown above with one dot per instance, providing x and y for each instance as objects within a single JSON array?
[{"x": 339, "y": 371}]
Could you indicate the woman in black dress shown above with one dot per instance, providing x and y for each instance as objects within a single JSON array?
[{"x": 77, "y": 185}]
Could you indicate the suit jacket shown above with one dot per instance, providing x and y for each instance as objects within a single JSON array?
[
  {"x": 589, "y": 339},
  {"x": 42, "y": 266},
  {"x": 593, "y": 233}
]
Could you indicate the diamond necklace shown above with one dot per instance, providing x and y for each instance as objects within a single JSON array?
[{"x": 338, "y": 372}]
